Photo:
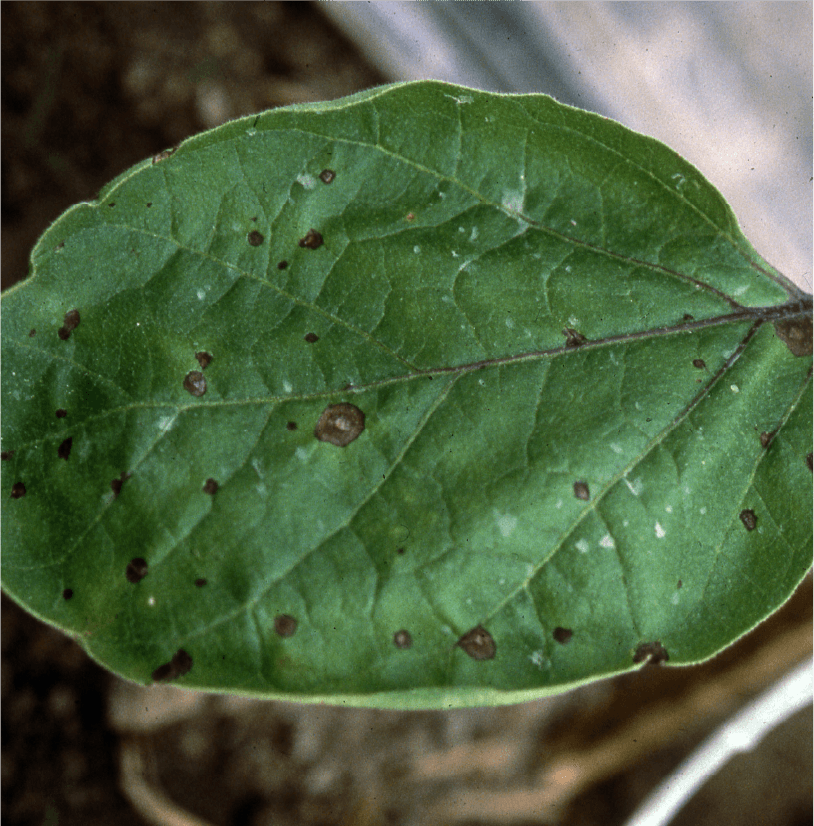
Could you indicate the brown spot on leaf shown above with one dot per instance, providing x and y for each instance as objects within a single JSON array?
[
  {"x": 210, "y": 487},
  {"x": 573, "y": 338},
  {"x": 162, "y": 156},
  {"x": 402, "y": 639},
  {"x": 69, "y": 324},
  {"x": 688, "y": 317},
  {"x": 204, "y": 359},
  {"x": 581, "y": 491},
  {"x": 200, "y": 582},
  {"x": 562, "y": 635},
  {"x": 809, "y": 461},
  {"x": 654, "y": 652},
  {"x": 410, "y": 216},
  {"x": 747, "y": 516},
  {"x": 136, "y": 570},
  {"x": 285, "y": 625},
  {"x": 327, "y": 176},
  {"x": 64, "y": 450},
  {"x": 6, "y": 454},
  {"x": 766, "y": 438},
  {"x": 679, "y": 584},
  {"x": 67, "y": 593},
  {"x": 180, "y": 664},
  {"x": 478, "y": 643},
  {"x": 699, "y": 363},
  {"x": 116, "y": 484},
  {"x": 796, "y": 334},
  {"x": 311, "y": 338},
  {"x": 195, "y": 383},
  {"x": 112, "y": 204},
  {"x": 17, "y": 490},
  {"x": 32, "y": 333},
  {"x": 401, "y": 551},
  {"x": 340, "y": 424},
  {"x": 255, "y": 238},
  {"x": 291, "y": 425},
  {"x": 312, "y": 240},
  {"x": 61, "y": 413},
  {"x": 282, "y": 265}
]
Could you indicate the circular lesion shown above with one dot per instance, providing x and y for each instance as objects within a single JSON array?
[{"x": 340, "y": 424}]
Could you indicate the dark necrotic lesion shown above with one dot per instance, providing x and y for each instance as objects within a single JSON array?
[{"x": 340, "y": 424}]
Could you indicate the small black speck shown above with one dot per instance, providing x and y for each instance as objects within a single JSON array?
[
  {"x": 64, "y": 450},
  {"x": 573, "y": 338},
  {"x": 654, "y": 652},
  {"x": 149, "y": 203},
  {"x": 162, "y": 156},
  {"x": 136, "y": 570},
  {"x": 195, "y": 383},
  {"x": 67, "y": 593},
  {"x": 311, "y": 338},
  {"x": 327, "y": 175},
  {"x": 69, "y": 324},
  {"x": 291, "y": 425},
  {"x": 285, "y": 625},
  {"x": 810, "y": 462},
  {"x": 17, "y": 490},
  {"x": 180, "y": 664},
  {"x": 688, "y": 317},
  {"x": 312, "y": 240},
  {"x": 401, "y": 551},
  {"x": 116, "y": 484},
  {"x": 402, "y": 639},
  {"x": 112, "y": 204},
  {"x": 210, "y": 487},
  {"x": 255, "y": 238},
  {"x": 282, "y": 265},
  {"x": 61, "y": 413},
  {"x": 699, "y": 363},
  {"x": 199, "y": 583},
  {"x": 562, "y": 635},
  {"x": 32, "y": 333},
  {"x": 478, "y": 644},
  {"x": 581, "y": 491},
  {"x": 747, "y": 516},
  {"x": 6, "y": 454}
]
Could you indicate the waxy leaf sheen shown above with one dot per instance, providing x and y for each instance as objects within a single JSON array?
[{"x": 426, "y": 397}]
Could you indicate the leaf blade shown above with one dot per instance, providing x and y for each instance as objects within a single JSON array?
[{"x": 538, "y": 389}]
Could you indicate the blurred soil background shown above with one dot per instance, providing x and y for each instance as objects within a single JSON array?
[{"x": 89, "y": 89}]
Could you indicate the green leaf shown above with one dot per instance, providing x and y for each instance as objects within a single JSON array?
[{"x": 424, "y": 397}]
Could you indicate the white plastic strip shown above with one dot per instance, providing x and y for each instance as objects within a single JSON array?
[{"x": 740, "y": 733}]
